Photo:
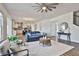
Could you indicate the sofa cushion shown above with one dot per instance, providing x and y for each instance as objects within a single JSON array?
[
  {"x": 34, "y": 32},
  {"x": 33, "y": 36}
]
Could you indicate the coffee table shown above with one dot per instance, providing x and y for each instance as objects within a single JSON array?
[{"x": 45, "y": 41}]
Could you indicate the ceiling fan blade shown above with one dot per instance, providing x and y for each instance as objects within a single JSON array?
[
  {"x": 54, "y": 4},
  {"x": 42, "y": 11},
  {"x": 35, "y": 6},
  {"x": 38, "y": 3},
  {"x": 49, "y": 9},
  {"x": 39, "y": 10},
  {"x": 43, "y": 3},
  {"x": 46, "y": 10},
  {"x": 53, "y": 7}
]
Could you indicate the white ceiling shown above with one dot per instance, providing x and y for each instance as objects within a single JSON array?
[{"x": 26, "y": 11}]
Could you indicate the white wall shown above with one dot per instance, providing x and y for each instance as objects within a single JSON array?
[
  {"x": 68, "y": 17},
  {"x": 49, "y": 26},
  {"x": 5, "y": 15},
  {"x": 9, "y": 26}
]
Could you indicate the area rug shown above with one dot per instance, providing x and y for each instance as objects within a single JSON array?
[{"x": 56, "y": 49}]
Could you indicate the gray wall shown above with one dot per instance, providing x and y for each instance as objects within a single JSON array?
[{"x": 50, "y": 29}]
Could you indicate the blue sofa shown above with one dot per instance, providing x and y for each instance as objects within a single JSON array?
[{"x": 34, "y": 36}]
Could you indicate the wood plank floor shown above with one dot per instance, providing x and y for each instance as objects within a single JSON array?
[{"x": 74, "y": 51}]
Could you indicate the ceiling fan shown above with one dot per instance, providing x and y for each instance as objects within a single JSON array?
[{"x": 45, "y": 7}]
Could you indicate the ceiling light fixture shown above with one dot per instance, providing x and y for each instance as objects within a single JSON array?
[{"x": 45, "y": 7}]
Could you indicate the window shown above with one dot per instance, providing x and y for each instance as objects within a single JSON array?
[
  {"x": 9, "y": 26},
  {"x": 1, "y": 26}
]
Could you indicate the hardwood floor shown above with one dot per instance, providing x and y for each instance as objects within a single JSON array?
[{"x": 74, "y": 51}]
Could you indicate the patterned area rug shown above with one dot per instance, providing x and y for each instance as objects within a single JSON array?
[{"x": 56, "y": 49}]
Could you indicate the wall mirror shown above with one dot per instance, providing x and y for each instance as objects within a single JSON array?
[{"x": 63, "y": 26}]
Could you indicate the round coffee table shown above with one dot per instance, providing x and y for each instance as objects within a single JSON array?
[{"x": 46, "y": 41}]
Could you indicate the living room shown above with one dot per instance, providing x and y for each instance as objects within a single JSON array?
[{"x": 39, "y": 25}]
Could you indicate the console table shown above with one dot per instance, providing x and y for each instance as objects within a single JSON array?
[{"x": 67, "y": 34}]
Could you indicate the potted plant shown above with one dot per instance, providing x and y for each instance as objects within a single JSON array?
[{"x": 13, "y": 38}]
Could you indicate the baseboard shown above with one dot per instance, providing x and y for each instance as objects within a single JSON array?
[{"x": 71, "y": 41}]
